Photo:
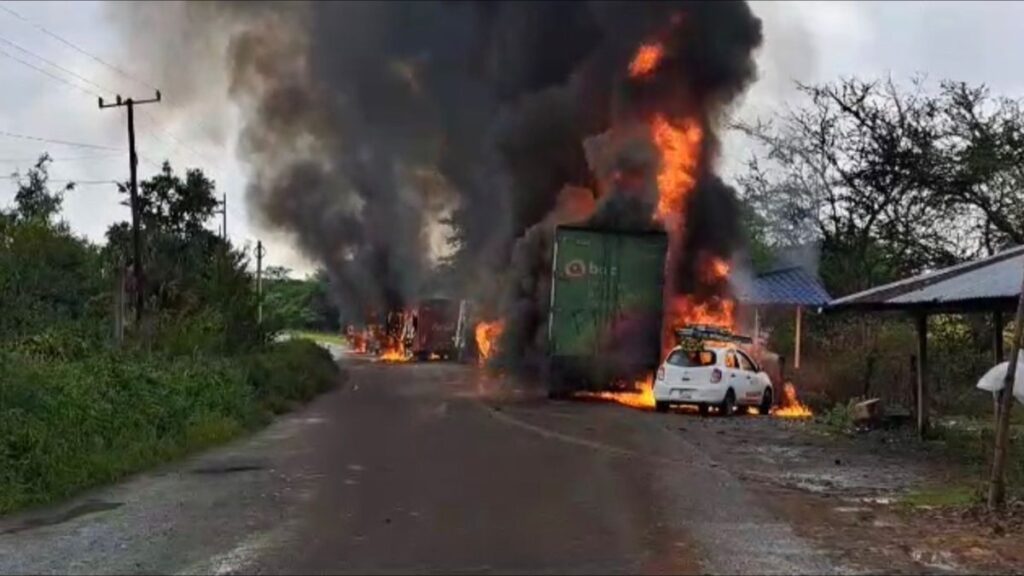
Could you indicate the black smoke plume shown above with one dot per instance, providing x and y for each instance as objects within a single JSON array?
[{"x": 400, "y": 140}]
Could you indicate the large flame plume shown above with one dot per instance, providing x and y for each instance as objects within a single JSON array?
[{"x": 487, "y": 335}]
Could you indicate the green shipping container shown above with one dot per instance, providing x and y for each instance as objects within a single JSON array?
[{"x": 604, "y": 324}]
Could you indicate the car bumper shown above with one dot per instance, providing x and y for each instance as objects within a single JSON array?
[{"x": 685, "y": 394}]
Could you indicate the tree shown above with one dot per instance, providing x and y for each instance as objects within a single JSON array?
[
  {"x": 50, "y": 280},
  {"x": 984, "y": 149},
  {"x": 170, "y": 203},
  {"x": 855, "y": 169},
  {"x": 34, "y": 199},
  {"x": 196, "y": 282}
]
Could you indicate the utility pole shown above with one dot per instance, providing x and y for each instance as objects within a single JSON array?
[
  {"x": 259, "y": 282},
  {"x": 997, "y": 484},
  {"x": 133, "y": 163},
  {"x": 224, "y": 217}
]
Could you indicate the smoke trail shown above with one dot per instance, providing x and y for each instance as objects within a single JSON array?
[{"x": 368, "y": 127}]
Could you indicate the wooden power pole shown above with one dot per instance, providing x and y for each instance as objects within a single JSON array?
[
  {"x": 259, "y": 282},
  {"x": 133, "y": 163},
  {"x": 224, "y": 217},
  {"x": 997, "y": 484}
]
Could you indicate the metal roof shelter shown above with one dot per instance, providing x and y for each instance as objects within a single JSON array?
[
  {"x": 792, "y": 286},
  {"x": 788, "y": 286},
  {"x": 990, "y": 285}
]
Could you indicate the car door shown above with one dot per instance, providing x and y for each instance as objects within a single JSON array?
[
  {"x": 752, "y": 385},
  {"x": 734, "y": 376}
]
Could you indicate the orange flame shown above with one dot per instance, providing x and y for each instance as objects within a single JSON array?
[
  {"x": 643, "y": 398},
  {"x": 790, "y": 406},
  {"x": 646, "y": 60},
  {"x": 487, "y": 335},
  {"x": 394, "y": 355},
  {"x": 680, "y": 152}
]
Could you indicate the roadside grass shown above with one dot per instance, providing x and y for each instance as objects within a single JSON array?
[
  {"x": 968, "y": 443},
  {"x": 325, "y": 337},
  {"x": 69, "y": 425},
  {"x": 955, "y": 495}
]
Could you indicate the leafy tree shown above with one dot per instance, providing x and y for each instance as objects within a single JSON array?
[
  {"x": 984, "y": 151},
  {"x": 196, "y": 283},
  {"x": 34, "y": 199},
  {"x": 50, "y": 280},
  {"x": 856, "y": 169}
]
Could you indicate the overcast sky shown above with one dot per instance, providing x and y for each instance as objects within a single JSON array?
[{"x": 972, "y": 41}]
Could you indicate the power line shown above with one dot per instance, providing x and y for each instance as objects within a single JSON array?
[
  {"x": 17, "y": 46},
  {"x": 171, "y": 135},
  {"x": 62, "y": 158},
  {"x": 47, "y": 73},
  {"x": 171, "y": 139},
  {"x": 75, "y": 47},
  {"x": 65, "y": 180},
  {"x": 61, "y": 142}
]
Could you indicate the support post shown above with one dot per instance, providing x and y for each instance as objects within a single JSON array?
[
  {"x": 997, "y": 483},
  {"x": 796, "y": 345},
  {"x": 997, "y": 353},
  {"x": 921, "y": 322},
  {"x": 757, "y": 329}
]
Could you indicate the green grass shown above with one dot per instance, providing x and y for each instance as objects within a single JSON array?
[
  {"x": 944, "y": 496},
  {"x": 68, "y": 425},
  {"x": 324, "y": 337}
]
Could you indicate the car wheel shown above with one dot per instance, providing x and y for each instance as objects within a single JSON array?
[
  {"x": 703, "y": 409},
  {"x": 766, "y": 402},
  {"x": 728, "y": 405},
  {"x": 660, "y": 406}
]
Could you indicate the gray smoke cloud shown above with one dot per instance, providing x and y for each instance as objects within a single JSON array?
[{"x": 368, "y": 127}]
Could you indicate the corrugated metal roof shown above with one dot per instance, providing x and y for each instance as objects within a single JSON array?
[
  {"x": 993, "y": 278},
  {"x": 793, "y": 286}
]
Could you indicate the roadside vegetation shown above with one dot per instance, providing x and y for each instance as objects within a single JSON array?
[
  {"x": 869, "y": 182},
  {"x": 87, "y": 394}
]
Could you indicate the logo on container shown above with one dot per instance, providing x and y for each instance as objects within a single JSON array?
[
  {"x": 576, "y": 269},
  {"x": 579, "y": 269}
]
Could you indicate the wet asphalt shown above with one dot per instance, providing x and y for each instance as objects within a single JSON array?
[{"x": 427, "y": 468}]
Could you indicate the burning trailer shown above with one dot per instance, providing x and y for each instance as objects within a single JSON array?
[
  {"x": 606, "y": 308},
  {"x": 434, "y": 329}
]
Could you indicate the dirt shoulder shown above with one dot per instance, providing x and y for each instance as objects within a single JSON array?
[{"x": 859, "y": 496}]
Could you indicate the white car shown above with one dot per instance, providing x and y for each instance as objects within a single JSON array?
[{"x": 725, "y": 377}]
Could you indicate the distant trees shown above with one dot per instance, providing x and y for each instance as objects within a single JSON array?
[
  {"x": 299, "y": 303},
  {"x": 890, "y": 180}
]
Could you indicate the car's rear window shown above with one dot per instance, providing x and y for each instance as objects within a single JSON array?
[{"x": 692, "y": 359}]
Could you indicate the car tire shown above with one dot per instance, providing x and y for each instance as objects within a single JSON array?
[
  {"x": 765, "y": 408},
  {"x": 728, "y": 405},
  {"x": 660, "y": 406},
  {"x": 703, "y": 409}
]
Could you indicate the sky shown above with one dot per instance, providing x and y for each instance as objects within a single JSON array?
[{"x": 976, "y": 42}]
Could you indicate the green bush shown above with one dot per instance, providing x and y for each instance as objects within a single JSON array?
[
  {"x": 289, "y": 372},
  {"x": 65, "y": 426}
]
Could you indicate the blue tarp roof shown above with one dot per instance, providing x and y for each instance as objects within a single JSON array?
[{"x": 792, "y": 286}]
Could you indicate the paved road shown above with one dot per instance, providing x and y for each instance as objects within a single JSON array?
[{"x": 426, "y": 468}]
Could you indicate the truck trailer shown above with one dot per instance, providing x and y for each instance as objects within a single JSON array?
[
  {"x": 604, "y": 322},
  {"x": 436, "y": 320}
]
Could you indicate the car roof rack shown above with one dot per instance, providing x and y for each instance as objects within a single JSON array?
[{"x": 704, "y": 332}]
